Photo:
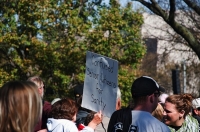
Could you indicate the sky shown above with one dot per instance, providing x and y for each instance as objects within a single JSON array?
[
  {"x": 123, "y": 2},
  {"x": 136, "y": 5}
]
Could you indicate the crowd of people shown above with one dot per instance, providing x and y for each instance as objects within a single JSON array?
[{"x": 23, "y": 109}]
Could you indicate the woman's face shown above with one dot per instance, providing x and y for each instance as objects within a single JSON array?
[{"x": 171, "y": 115}]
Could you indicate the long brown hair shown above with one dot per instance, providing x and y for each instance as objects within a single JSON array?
[{"x": 21, "y": 107}]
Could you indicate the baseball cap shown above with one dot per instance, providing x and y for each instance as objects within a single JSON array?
[
  {"x": 196, "y": 103},
  {"x": 78, "y": 90},
  {"x": 144, "y": 86}
]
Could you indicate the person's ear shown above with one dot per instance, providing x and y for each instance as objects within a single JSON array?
[
  {"x": 39, "y": 90},
  {"x": 118, "y": 104},
  {"x": 195, "y": 111},
  {"x": 151, "y": 97},
  {"x": 181, "y": 114}
]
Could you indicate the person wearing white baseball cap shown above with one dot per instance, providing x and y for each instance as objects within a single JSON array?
[{"x": 196, "y": 109}]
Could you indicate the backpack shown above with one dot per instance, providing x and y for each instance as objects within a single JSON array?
[{"x": 120, "y": 120}]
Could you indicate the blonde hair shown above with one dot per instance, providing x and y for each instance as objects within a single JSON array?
[
  {"x": 158, "y": 112},
  {"x": 20, "y": 107}
]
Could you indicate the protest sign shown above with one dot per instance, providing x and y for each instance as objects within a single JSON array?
[{"x": 100, "y": 84}]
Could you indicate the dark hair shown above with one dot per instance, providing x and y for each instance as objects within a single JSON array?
[
  {"x": 78, "y": 94},
  {"x": 181, "y": 102},
  {"x": 64, "y": 109},
  {"x": 89, "y": 118},
  {"x": 139, "y": 100}
]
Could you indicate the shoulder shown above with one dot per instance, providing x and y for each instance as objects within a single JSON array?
[
  {"x": 141, "y": 120},
  {"x": 61, "y": 125},
  {"x": 81, "y": 116},
  {"x": 122, "y": 112},
  {"x": 46, "y": 103},
  {"x": 190, "y": 120},
  {"x": 191, "y": 123},
  {"x": 46, "y": 106},
  {"x": 141, "y": 114},
  {"x": 120, "y": 120},
  {"x": 68, "y": 124},
  {"x": 197, "y": 118}
]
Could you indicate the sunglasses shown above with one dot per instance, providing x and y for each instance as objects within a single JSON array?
[{"x": 157, "y": 94}]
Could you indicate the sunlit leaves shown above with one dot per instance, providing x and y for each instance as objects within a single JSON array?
[{"x": 50, "y": 38}]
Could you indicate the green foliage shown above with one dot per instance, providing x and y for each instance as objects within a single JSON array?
[{"x": 50, "y": 38}]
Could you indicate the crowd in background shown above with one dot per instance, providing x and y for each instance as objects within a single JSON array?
[{"x": 23, "y": 109}]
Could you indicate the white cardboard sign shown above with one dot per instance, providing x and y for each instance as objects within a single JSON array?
[{"x": 100, "y": 84}]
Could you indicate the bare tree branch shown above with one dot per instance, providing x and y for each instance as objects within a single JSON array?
[
  {"x": 154, "y": 7},
  {"x": 172, "y": 11},
  {"x": 178, "y": 27},
  {"x": 193, "y": 5}
]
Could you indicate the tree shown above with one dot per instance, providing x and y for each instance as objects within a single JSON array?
[
  {"x": 189, "y": 10},
  {"x": 177, "y": 28},
  {"x": 50, "y": 38}
]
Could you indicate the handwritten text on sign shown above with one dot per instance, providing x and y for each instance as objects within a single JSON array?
[{"x": 100, "y": 85}]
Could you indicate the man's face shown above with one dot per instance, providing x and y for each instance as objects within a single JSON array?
[
  {"x": 41, "y": 90},
  {"x": 197, "y": 111},
  {"x": 156, "y": 95}
]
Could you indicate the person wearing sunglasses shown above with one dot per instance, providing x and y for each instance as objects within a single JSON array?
[{"x": 145, "y": 92}]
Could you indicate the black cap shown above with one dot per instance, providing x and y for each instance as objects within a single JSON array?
[
  {"x": 78, "y": 90},
  {"x": 144, "y": 86}
]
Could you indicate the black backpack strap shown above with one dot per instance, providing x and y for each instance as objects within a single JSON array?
[{"x": 120, "y": 120}]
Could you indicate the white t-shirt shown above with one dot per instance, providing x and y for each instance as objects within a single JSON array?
[{"x": 144, "y": 122}]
